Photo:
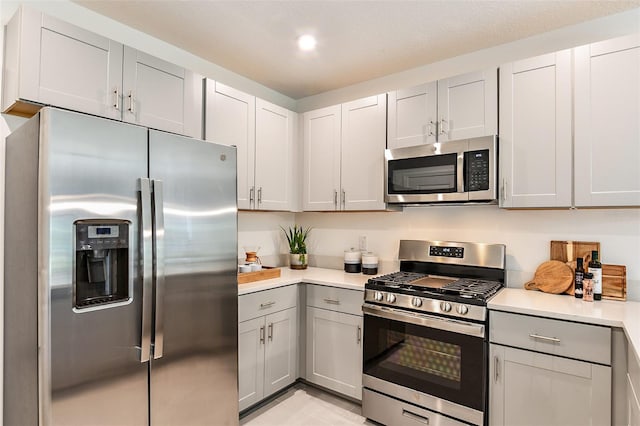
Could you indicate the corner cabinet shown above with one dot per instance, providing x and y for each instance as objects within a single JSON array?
[
  {"x": 459, "y": 107},
  {"x": 344, "y": 156},
  {"x": 548, "y": 372},
  {"x": 51, "y": 62},
  {"x": 607, "y": 123},
  {"x": 535, "y": 132},
  {"x": 267, "y": 343},
  {"x": 334, "y": 339},
  {"x": 263, "y": 135}
]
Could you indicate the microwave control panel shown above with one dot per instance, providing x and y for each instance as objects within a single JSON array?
[{"x": 477, "y": 170}]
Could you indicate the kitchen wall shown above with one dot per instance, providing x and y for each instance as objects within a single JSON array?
[
  {"x": 526, "y": 233},
  {"x": 262, "y": 229}
]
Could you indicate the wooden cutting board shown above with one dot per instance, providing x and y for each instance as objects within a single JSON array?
[
  {"x": 569, "y": 251},
  {"x": 614, "y": 282},
  {"x": 551, "y": 276}
]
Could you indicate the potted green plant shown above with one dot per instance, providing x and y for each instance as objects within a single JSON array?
[{"x": 297, "y": 239}]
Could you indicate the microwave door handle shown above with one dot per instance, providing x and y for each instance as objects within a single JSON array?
[
  {"x": 461, "y": 173},
  {"x": 158, "y": 233},
  {"x": 146, "y": 263}
]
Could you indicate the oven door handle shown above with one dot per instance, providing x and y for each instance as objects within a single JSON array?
[{"x": 454, "y": 326}]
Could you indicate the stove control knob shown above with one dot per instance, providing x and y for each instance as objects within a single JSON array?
[
  {"x": 417, "y": 302},
  {"x": 391, "y": 298},
  {"x": 445, "y": 306},
  {"x": 462, "y": 309},
  {"x": 378, "y": 296}
]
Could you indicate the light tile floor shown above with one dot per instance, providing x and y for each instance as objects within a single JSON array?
[{"x": 305, "y": 405}]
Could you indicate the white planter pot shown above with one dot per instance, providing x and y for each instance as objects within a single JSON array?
[{"x": 298, "y": 261}]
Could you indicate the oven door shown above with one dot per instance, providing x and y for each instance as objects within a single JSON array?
[
  {"x": 426, "y": 173},
  {"x": 439, "y": 357}
]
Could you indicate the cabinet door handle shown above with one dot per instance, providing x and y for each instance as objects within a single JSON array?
[
  {"x": 270, "y": 334},
  {"x": 332, "y": 301},
  {"x": 545, "y": 338},
  {"x": 441, "y": 125},
  {"x": 344, "y": 199},
  {"x": 416, "y": 417},
  {"x": 267, "y": 305},
  {"x": 251, "y": 195},
  {"x": 262, "y": 334},
  {"x": 504, "y": 189},
  {"x": 359, "y": 335},
  {"x": 496, "y": 367},
  {"x": 430, "y": 131},
  {"x": 259, "y": 196},
  {"x": 335, "y": 198},
  {"x": 132, "y": 102},
  {"x": 116, "y": 99}
]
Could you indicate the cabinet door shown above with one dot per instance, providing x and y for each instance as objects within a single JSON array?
[
  {"x": 55, "y": 63},
  {"x": 281, "y": 352},
  {"x": 412, "y": 116},
  {"x": 529, "y": 388},
  {"x": 161, "y": 95},
  {"x": 363, "y": 143},
  {"x": 251, "y": 349},
  {"x": 535, "y": 131},
  {"x": 274, "y": 139},
  {"x": 321, "y": 159},
  {"x": 334, "y": 351},
  {"x": 230, "y": 119},
  {"x": 468, "y": 106},
  {"x": 607, "y": 123}
]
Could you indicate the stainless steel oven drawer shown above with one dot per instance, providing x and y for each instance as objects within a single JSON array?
[
  {"x": 335, "y": 299},
  {"x": 562, "y": 338},
  {"x": 393, "y": 412}
]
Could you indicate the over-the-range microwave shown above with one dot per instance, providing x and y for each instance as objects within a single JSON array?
[{"x": 461, "y": 171}]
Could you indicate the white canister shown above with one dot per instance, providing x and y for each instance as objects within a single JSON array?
[
  {"x": 369, "y": 263},
  {"x": 352, "y": 261}
]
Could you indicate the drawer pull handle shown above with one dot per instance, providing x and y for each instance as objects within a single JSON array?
[
  {"x": 415, "y": 417},
  {"x": 548, "y": 339},
  {"x": 267, "y": 305},
  {"x": 332, "y": 301}
]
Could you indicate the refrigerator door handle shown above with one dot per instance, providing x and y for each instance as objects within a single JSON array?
[
  {"x": 158, "y": 232},
  {"x": 146, "y": 264}
]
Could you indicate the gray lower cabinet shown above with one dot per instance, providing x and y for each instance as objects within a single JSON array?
[
  {"x": 633, "y": 388},
  {"x": 334, "y": 339},
  {"x": 267, "y": 344},
  {"x": 534, "y": 378}
]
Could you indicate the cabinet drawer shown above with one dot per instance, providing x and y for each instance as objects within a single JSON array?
[
  {"x": 580, "y": 341},
  {"x": 265, "y": 302},
  {"x": 335, "y": 299}
]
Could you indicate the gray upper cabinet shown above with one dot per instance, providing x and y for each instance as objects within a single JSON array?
[
  {"x": 607, "y": 123},
  {"x": 51, "y": 62},
  {"x": 344, "y": 156},
  {"x": 459, "y": 107},
  {"x": 535, "y": 132}
]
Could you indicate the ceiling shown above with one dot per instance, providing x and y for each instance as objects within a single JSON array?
[{"x": 357, "y": 40}]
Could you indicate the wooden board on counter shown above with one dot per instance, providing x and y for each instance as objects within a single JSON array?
[
  {"x": 569, "y": 251},
  {"x": 266, "y": 273},
  {"x": 614, "y": 282}
]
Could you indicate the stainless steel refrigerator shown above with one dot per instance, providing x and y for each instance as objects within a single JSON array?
[{"x": 120, "y": 276}]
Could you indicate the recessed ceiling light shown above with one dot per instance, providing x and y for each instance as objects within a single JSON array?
[{"x": 307, "y": 42}]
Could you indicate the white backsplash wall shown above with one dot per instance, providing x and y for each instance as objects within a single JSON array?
[
  {"x": 526, "y": 233},
  {"x": 263, "y": 229}
]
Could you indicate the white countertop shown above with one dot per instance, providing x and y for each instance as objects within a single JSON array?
[
  {"x": 612, "y": 313},
  {"x": 625, "y": 315},
  {"x": 330, "y": 277}
]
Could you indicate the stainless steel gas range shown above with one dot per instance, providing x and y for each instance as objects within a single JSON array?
[{"x": 426, "y": 335}]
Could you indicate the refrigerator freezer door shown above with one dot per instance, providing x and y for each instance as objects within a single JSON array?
[
  {"x": 89, "y": 170},
  {"x": 195, "y": 381}
]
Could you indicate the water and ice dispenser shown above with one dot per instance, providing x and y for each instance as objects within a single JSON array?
[{"x": 101, "y": 263}]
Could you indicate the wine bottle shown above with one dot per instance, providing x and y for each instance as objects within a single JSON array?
[
  {"x": 595, "y": 268},
  {"x": 578, "y": 276}
]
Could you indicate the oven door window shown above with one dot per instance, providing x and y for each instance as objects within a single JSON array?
[
  {"x": 423, "y": 175},
  {"x": 440, "y": 363}
]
